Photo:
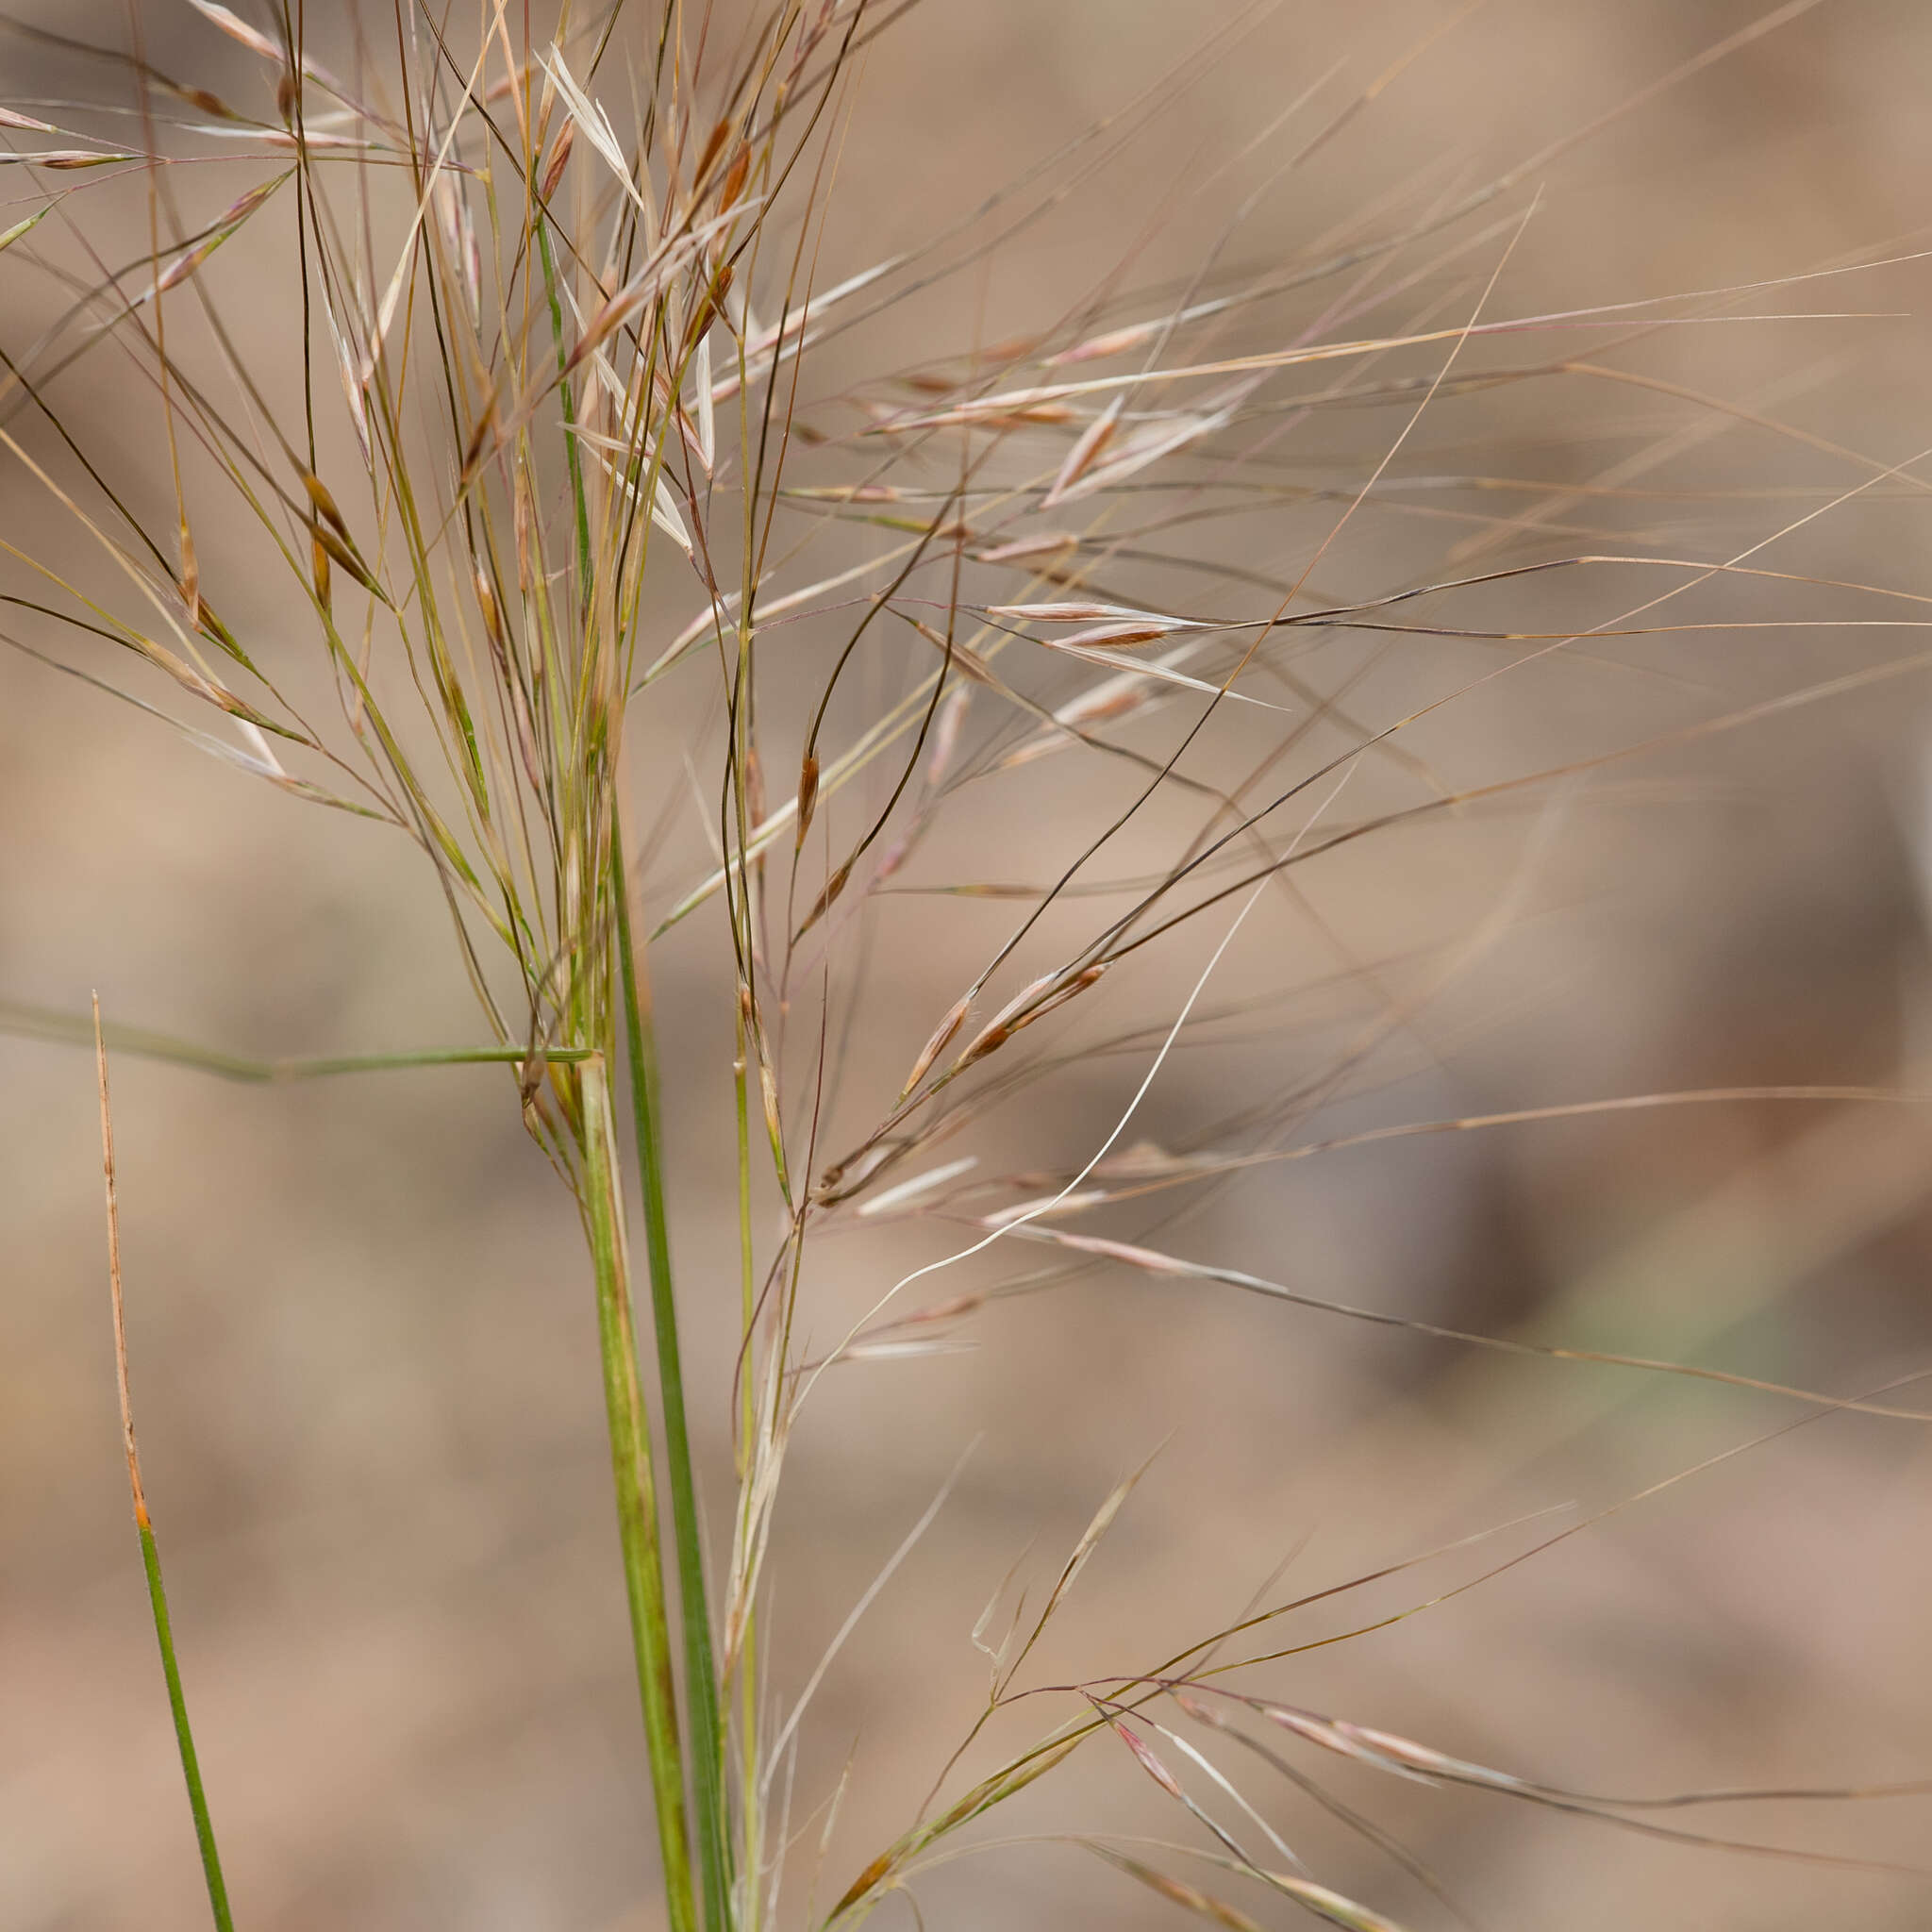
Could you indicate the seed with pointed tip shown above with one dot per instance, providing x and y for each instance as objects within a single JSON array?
[
  {"x": 768, "y": 1093},
  {"x": 472, "y": 450},
  {"x": 1149, "y": 1762},
  {"x": 521, "y": 519},
  {"x": 493, "y": 617},
  {"x": 941, "y": 1039},
  {"x": 325, "y": 502},
  {"x": 1081, "y": 458},
  {"x": 864, "y": 1883},
  {"x": 191, "y": 577},
  {"x": 558, "y": 160},
  {"x": 348, "y": 560},
  {"x": 714, "y": 146},
  {"x": 807, "y": 795},
  {"x": 988, "y": 1041},
  {"x": 755, "y": 784},
  {"x": 834, "y": 885}
]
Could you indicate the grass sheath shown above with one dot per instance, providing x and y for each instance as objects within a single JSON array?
[
  {"x": 150, "y": 1549},
  {"x": 702, "y": 1695},
  {"x": 636, "y": 1487}
]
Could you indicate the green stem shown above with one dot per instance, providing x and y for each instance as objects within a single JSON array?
[
  {"x": 184, "y": 1737},
  {"x": 747, "y": 1426},
  {"x": 702, "y": 1701},
  {"x": 24, "y": 1022},
  {"x": 637, "y": 1503}
]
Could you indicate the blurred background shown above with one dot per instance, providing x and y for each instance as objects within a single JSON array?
[{"x": 362, "y": 1337}]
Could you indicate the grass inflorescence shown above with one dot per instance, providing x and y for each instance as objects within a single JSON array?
[{"x": 537, "y": 446}]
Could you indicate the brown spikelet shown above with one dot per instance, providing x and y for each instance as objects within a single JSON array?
[
  {"x": 989, "y": 1040},
  {"x": 492, "y": 616},
  {"x": 1114, "y": 636},
  {"x": 714, "y": 146},
  {"x": 808, "y": 796},
  {"x": 1079, "y": 984},
  {"x": 191, "y": 576},
  {"x": 559, "y": 160},
  {"x": 863, "y": 1883},
  {"x": 237, "y": 28},
  {"x": 706, "y": 311},
  {"x": 1114, "y": 342},
  {"x": 319, "y": 556},
  {"x": 285, "y": 97},
  {"x": 768, "y": 1093},
  {"x": 755, "y": 784},
  {"x": 324, "y": 502},
  {"x": 349, "y": 560},
  {"x": 479, "y": 439},
  {"x": 1042, "y": 545},
  {"x": 735, "y": 177},
  {"x": 968, "y": 662},
  {"x": 941, "y": 1039},
  {"x": 183, "y": 266},
  {"x": 1030, "y": 1004},
  {"x": 1061, "y": 610},
  {"x": 522, "y": 519},
  {"x": 823, "y": 904},
  {"x": 946, "y": 736},
  {"x": 1190, "y": 1898},
  {"x": 72, "y": 157},
  {"x": 1144, "y": 1751}
]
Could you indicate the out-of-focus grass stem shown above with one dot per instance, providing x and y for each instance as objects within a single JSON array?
[
  {"x": 150, "y": 1550},
  {"x": 701, "y": 1671}
]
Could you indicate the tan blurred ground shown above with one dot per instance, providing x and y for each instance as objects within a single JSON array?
[{"x": 363, "y": 1346}]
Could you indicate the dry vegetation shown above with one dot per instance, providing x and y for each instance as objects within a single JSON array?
[{"x": 517, "y": 455}]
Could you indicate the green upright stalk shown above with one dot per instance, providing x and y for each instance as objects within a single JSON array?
[
  {"x": 700, "y": 1693},
  {"x": 636, "y": 1502},
  {"x": 184, "y": 1737},
  {"x": 702, "y": 1696},
  {"x": 747, "y": 1424}
]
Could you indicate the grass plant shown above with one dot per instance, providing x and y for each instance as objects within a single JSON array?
[{"x": 539, "y": 452}]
